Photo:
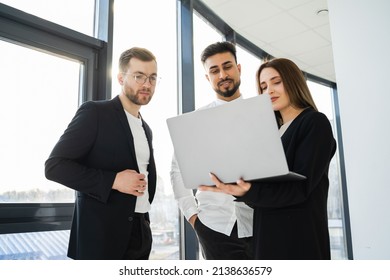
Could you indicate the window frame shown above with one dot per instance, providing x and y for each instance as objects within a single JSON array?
[{"x": 18, "y": 27}]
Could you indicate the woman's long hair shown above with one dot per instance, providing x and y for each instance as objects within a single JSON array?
[{"x": 294, "y": 83}]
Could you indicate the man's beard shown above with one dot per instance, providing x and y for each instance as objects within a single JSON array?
[
  {"x": 229, "y": 92},
  {"x": 134, "y": 97}
]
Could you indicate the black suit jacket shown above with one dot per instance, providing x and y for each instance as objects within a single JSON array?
[
  {"x": 98, "y": 144},
  {"x": 290, "y": 218}
]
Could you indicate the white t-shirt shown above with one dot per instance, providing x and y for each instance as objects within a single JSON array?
[{"x": 142, "y": 153}]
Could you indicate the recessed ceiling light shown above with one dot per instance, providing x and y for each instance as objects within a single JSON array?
[{"x": 322, "y": 12}]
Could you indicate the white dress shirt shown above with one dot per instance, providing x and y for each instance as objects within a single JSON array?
[{"x": 218, "y": 211}]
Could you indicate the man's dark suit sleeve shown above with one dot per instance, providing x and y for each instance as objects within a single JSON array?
[{"x": 66, "y": 163}]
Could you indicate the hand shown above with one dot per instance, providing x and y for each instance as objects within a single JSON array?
[
  {"x": 130, "y": 182},
  {"x": 192, "y": 220},
  {"x": 239, "y": 189}
]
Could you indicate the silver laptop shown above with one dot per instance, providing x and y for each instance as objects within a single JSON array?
[{"x": 239, "y": 139}]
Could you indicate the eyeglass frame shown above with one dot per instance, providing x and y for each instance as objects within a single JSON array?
[{"x": 146, "y": 78}]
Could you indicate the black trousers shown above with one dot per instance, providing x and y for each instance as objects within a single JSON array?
[
  {"x": 140, "y": 243},
  {"x": 218, "y": 246}
]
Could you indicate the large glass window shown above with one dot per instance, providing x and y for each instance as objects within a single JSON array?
[
  {"x": 323, "y": 98},
  {"x": 204, "y": 35},
  {"x": 47, "y": 245},
  {"x": 74, "y": 14},
  {"x": 140, "y": 29},
  {"x": 39, "y": 95},
  {"x": 249, "y": 65}
]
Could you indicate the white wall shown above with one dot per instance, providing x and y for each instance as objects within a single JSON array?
[{"x": 361, "y": 47}]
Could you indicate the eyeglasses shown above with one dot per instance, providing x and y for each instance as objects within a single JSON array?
[{"x": 142, "y": 78}]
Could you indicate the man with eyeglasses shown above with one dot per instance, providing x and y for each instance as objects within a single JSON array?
[
  {"x": 223, "y": 226},
  {"x": 106, "y": 155}
]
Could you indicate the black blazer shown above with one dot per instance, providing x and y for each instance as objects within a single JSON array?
[
  {"x": 290, "y": 218},
  {"x": 96, "y": 145}
]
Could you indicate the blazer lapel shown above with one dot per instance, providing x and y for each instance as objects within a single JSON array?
[
  {"x": 148, "y": 135},
  {"x": 125, "y": 124}
]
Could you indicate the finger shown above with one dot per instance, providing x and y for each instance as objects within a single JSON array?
[
  {"x": 137, "y": 193},
  {"x": 241, "y": 183},
  {"x": 141, "y": 187},
  {"x": 140, "y": 183},
  {"x": 244, "y": 185},
  {"x": 220, "y": 186},
  {"x": 214, "y": 178},
  {"x": 209, "y": 188},
  {"x": 218, "y": 183}
]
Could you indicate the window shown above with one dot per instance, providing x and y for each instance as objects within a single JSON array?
[
  {"x": 74, "y": 14},
  {"x": 323, "y": 98},
  {"x": 39, "y": 93},
  {"x": 44, "y": 77},
  {"x": 204, "y": 35},
  {"x": 46, "y": 245},
  {"x": 37, "y": 105},
  {"x": 249, "y": 65},
  {"x": 138, "y": 30}
]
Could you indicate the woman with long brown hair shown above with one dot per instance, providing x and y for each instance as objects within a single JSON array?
[{"x": 290, "y": 217}]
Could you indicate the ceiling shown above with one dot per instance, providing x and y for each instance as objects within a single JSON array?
[{"x": 283, "y": 28}]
